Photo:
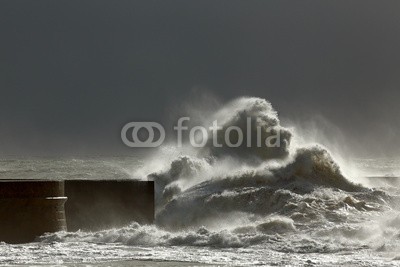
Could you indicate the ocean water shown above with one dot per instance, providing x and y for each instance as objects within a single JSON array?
[{"x": 297, "y": 204}]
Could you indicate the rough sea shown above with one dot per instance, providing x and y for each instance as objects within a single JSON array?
[{"x": 296, "y": 205}]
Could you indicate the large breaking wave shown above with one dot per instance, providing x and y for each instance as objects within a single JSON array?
[
  {"x": 290, "y": 198},
  {"x": 193, "y": 189}
]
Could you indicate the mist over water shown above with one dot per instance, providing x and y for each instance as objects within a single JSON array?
[
  {"x": 288, "y": 204},
  {"x": 215, "y": 180},
  {"x": 293, "y": 198}
]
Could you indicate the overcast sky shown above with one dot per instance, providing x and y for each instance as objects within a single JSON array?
[{"x": 73, "y": 72}]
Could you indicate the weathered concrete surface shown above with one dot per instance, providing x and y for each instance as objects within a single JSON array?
[
  {"x": 101, "y": 204},
  {"x": 30, "y": 208}
]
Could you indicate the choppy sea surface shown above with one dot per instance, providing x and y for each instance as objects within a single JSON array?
[
  {"x": 326, "y": 226},
  {"x": 296, "y": 204}
]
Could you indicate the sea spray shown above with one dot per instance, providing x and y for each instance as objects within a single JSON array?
[
  {"x": 212, "y": 181},
  {"x": 254, "y": 204}
]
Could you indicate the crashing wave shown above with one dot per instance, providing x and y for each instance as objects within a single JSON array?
[
  {"x": 258, "y": 122},
  {"x": 286, "y": 198},
  {"x": 194, "y": 190}
]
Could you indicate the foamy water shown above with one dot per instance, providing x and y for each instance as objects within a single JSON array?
[{"x": 291, "y": 205}]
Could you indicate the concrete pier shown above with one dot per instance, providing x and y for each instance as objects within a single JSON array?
[
  {"x": 30, "y": 208},
  {"x": 101, "y": 204}
]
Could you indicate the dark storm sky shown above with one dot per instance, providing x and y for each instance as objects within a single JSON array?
[{"x": 73, "y": 72}]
